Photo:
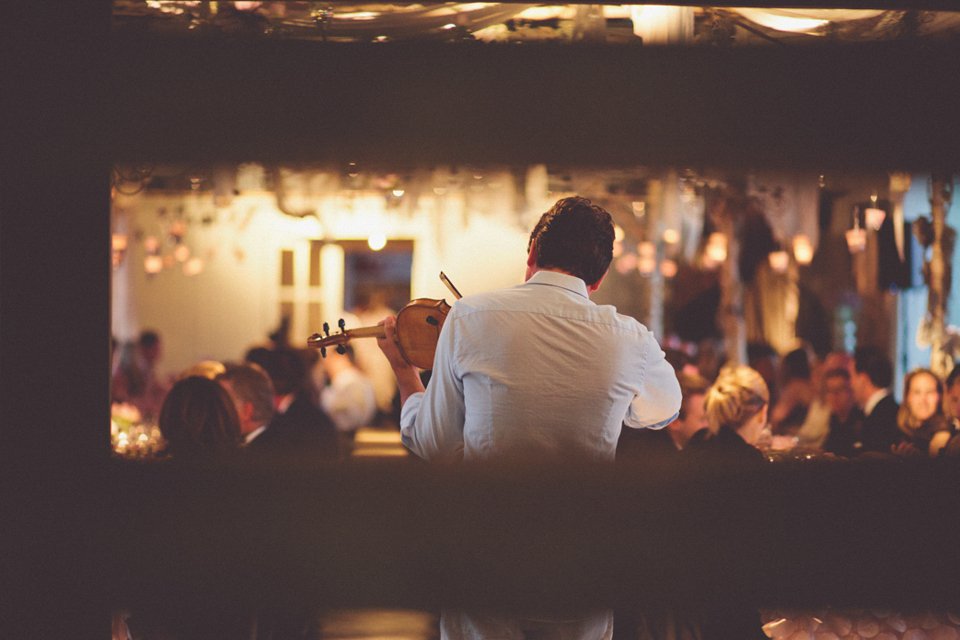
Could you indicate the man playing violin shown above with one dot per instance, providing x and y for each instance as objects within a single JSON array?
[{"x": 537, "y": 372}]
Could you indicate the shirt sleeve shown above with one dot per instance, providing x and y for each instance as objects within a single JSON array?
[
  {"x": 657, "y": 403},
  {"x": 431, "y": 422}
]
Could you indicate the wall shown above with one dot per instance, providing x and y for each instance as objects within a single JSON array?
[{"x": 233, "y": 303}]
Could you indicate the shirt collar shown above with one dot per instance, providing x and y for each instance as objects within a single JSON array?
[
  {"x": 253, "y": 434},
  {"x": 562, "y": 280},
  {"x": 873, "y": 400}
]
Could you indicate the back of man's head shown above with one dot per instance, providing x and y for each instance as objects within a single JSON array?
[
  {"x": 875, "y": 364},
  {"x": 249, "y": 383},
  {"x": 574, "y": 236}
]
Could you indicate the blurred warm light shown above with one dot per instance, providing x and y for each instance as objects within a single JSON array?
[
  {"x": 193, "y": 266},
  {"x": 119, "y": 242},
  {"x": 151, "y": 244},
  {"x": 646, "y": 265},
  {"x": 646, "y": 249},
  {"x": 802, "y": 249},
  {"x": 617, "y": 249},
  {"x": 639, "y": 208},
  {"x": 717, "y": 248},
  {"x": 779, "y": 261},
  {"x": 783, "y": 19},
  {"x": 618, "y": 233},
  {"x": 377, "y": 241},
  {"x": 856, "y": 239},
  {"x": 153, "y": 264},
  {"x": 626, "y": 263},
  {"x": 181, "y": 253},
  {"x": 874, "y": 217},
  {"x": 668, "y": 268},
  {"x": 398, "y": 193},
  {"x": 671, "y": 236}
]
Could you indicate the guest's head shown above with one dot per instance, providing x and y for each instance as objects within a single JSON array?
[
  {"x": 738, "y": 400},
  {"x": 872, "y": 371},
  {"x": 837, "y": 391},
  {"x": 795, "y": 365},
  {"x": 149, "y": 344},
  {"x": 252, "y": 394},
  {"x": 198, "y": 416},
  {"x": 574, "y": 236},
  {"x": 692, "y": 416},
  {"x": 922, "y": 397},
  {"x": 285, "y": 367},
  {"x": 205, "y": 369}
]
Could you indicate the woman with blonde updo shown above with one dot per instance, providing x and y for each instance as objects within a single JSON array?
[{"x": 736, "y": 407}]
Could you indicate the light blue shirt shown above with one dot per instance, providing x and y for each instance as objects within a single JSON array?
[{"x": 538, "y": 371}]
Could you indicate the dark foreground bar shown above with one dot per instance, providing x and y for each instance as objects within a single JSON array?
[{"x": 842, "y": 534}]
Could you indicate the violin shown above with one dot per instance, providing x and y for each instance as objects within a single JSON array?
[{"x": 417, "y": 330}]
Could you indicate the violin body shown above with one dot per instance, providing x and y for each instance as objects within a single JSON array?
[{"x": 417, "y": 332}]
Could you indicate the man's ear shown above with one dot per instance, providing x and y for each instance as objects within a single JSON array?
[
  {"x": 246, "y": 413},
  {"x": 596, "y": 285},
  {"x": 532, "y": 256}
]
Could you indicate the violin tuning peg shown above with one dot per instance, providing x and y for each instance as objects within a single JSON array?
[
  {"x": 326, "y": 328},
  {"x": 341, "y": 349},
  {"x": 342, "y": 325},
  {"x": 323, "y": 352}
]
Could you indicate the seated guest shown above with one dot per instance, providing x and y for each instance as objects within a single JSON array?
[
  {"x": 846, "y": 418},
  {"x": 796, "y": 393},
  {"x": 197, "y": 417},
  {"x": 951, "y": 398},
  {"x": 641, "y": 444},
  {"x": 871, "y": 378},
  {"x": 299, "y": 425},
  {"x": 252, "y": 393},
  {"x": 736, "y": 408},
  {"x": 348, "y": 397},
  {"x": 136, "y": 380},
  {"x": 926, "y": 429},
  {"x": 813, "y": 432}
]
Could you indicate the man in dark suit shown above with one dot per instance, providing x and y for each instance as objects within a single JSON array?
[
  {"x": 298, "y": 425},
  {"x": 871, "y": 378}
]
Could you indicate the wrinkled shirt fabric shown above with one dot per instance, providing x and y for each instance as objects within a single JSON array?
[{"x": 539, "y": 370}]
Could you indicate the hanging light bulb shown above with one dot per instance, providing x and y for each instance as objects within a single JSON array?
[
  {"x": 856, "y": 237},
  {"x": 671, "y": 236},
  {"x": 716, "y": 251},
  {"x": 802, "y": 249},
  {"x": 668, "y": 268},
  {"x": 779, "y": 260},
  {"x": 377, "y": 241},
  {"x": 873, "y": 215}
]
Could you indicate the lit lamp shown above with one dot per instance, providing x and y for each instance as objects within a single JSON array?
[
  {"x": 779, "y": 260},
  {"x": 647, "y": 261},
  {"x": 716, "y": 251},
  {"x": 856, "y": 239},
  {"x": 802, "y": 249},
  {"x": 668, "y": 268},
  {"x": 873, "y": 215}
]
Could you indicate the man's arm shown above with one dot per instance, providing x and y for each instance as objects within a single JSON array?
[{"x": 657, "y": 404}]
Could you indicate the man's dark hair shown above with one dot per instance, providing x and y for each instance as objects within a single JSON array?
[
  {"x": 574, "y": 236},
  {"x": 953, "y": 377},
  {"x": 690, "y": 385},
  {"x": 837, "y": 372},
  {"x": 148, "y": 338},
  {"x": 875, "y": 363},
  {"x": 285, "y": 367}
]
